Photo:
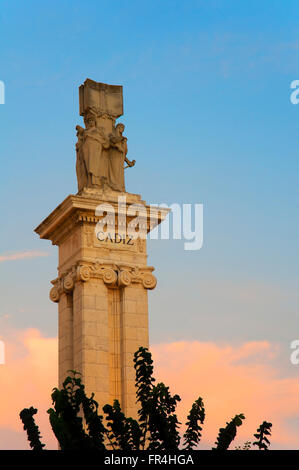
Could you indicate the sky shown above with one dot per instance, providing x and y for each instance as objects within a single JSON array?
[{"x": 209, "y": 120}]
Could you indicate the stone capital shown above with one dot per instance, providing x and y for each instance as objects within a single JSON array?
[{"x": 112, "y": 275}]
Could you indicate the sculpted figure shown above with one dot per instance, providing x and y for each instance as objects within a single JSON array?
[
  {"x": 92, "y": 154},
  {"x": 81, "y": 169},
  {"x": 95, "y": 157},
  {"x": 117, "y": 158},
  {"x": 101, "y": 154}
]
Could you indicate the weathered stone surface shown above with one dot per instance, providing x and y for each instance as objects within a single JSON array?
[{"x": 101, "y": 147}]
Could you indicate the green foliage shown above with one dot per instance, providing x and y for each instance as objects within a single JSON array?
[
  {"x": 70, "y": 405},
  {"x": 123, "y": 433},
  {"x": 261, "y": 435},
  {"x": 77, "y": 424},
  {"x": 31, "y": 428},
  {"x": 144, "y": 384},
  {"x": 245, "y": 446},
  {"x": 193, "y": 432},
  {"x": 157, "y": 407},
  {"x": 227, "y": 435}
]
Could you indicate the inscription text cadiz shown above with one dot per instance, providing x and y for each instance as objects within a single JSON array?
[{"x": 114, "y": 238}]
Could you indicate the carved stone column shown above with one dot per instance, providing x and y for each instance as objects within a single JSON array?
[{"x": 102, "y": 295}]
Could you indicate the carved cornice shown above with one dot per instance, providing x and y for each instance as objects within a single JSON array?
[
  {"x": 80, "y": 210},
  {"x": 114, "y": 276}
]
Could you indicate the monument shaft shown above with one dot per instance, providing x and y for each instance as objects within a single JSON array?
[{"x": 103, "y": 276}]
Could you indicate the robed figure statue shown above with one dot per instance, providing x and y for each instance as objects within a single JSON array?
[
  {"x": 100, "y": 158},
  {"x": 117, "y": 159},
  {"x": 101, "y": 147}
]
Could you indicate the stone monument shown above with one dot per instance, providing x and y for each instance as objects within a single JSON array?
[{"x": 103, "y": 276}]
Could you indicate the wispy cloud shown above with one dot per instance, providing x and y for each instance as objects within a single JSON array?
[
  {"x": 22, "y": 255},
  {"x": 232, "y": 379}
]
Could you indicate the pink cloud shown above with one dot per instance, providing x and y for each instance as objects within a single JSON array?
[
  {"x": 23, "y": 255},
  {"x": 230, "y": 379},
  {"x": 27, "y": 378}
]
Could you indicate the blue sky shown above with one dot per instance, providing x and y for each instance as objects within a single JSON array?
[{"x": 208, "y": 119}]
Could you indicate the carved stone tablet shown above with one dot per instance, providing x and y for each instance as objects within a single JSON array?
[{"x": 103, "y": 98}]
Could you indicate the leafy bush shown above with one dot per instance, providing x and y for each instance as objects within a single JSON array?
[{"x": 77, "y": 425}]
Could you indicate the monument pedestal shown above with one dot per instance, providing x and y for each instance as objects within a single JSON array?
[{"x": 101, "y": 291}]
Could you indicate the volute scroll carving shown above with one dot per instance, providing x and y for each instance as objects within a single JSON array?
[
  {"x": 124, "y": 278},
  {"x": 101, "y": 147},
  {"x": 109, "y": 277},
  {"x": 112, "y": 275},
  {"x": 54, "y": 294},
  {"x": 149, "y": 281},
  {"x": 83, "y": 273}
]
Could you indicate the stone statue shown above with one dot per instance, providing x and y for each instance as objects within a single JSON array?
[
  {"x": 92, "y": 155},
  {"x": 117, "y": 158},
  {"x": 101, "y": 147},
  {"x": 81, "y": 169}
]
